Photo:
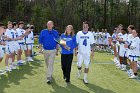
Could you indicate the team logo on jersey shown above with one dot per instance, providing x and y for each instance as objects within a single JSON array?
[{"x": 84, "y": 37}]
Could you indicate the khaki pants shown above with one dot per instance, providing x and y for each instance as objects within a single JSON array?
[{"x": 49, "y": 56}]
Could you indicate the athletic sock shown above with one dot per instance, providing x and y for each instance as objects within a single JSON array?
[
  {"x": 10, "y": 60},
  {"x": 85, "y": 75},
  {"x": 79, "y": 71},
  {"x": 125, "y": 66}
]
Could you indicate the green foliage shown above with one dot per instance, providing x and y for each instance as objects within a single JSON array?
[{"x": 99, "y": 13}]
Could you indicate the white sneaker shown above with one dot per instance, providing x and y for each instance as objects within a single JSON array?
[
  {"x": 8, "y": 69},
  {"x": 1, "y": 72},
  {"x": 133, "y": 77},
  {"x": 30, "y": 59},
  {"x": 26, "y": 59},
  {"x": 85, "y": 81},
  {"x": 123, "y": 68},
  {"x": 115, "y": 59},
  {"x": 138, "y": 66},
  {"x": 21, "y": 61},
  {"x": 13, "y": 67},
  {"x": 119, "y": 66}
]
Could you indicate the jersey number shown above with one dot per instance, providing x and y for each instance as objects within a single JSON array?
[
  {"x": 85, "y": 42},
  {"x": 12, "y": 34}
]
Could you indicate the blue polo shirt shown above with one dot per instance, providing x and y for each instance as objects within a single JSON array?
[
  {"x": 70, "y": 42},
  {"x": 47, "y": 39}
]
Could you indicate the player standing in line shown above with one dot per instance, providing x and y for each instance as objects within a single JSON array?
[
  {"x": 116, "y": 45},
  {"x": 29, "y": 41},
  {"x": 101, "y": 39},
  {"x": 9, "y": 37},
  {"x": 123, "y": 51},
  {"x": 94, "y": 38},
  {"x": 21, "y": 43},
  {"x": 106, "y": 40},
  {"x": 114, "y": 35},
  {"x": 2, "y": 43},
  {"x": 85, "y": 43},
  {"x": 16, "y": 38},
  {"x": 93, "y": 32},
  {"x": 128, "y": 41},
  {"x": 97, "y": 40},
  {"x": 134, "y": 53}
]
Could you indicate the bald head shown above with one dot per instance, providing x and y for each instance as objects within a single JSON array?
[{"x": 50, "y": 25}]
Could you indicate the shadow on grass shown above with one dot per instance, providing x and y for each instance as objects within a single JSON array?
[
  {"x": 70, "y": 88},
  {"x": 37, "y": 62},
  {"x": 17, "y": 75},
  {"x": 98, "y": 89}
]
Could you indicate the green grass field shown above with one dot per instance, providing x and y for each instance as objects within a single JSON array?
[{"x": 103, "y": 78}]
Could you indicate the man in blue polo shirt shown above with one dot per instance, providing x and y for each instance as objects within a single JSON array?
[{"x": 47, "y": 41}]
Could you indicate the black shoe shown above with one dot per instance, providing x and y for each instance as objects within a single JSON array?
[
  {"x": 48, "y": 82},
  {"x": 67, "y": 81},
  {"x": 64, "y": 77}
]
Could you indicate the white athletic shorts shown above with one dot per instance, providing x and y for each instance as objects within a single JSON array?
[
  {"x": 83, "y": 58},
  {"x": 133, "y": 58},
  {"x": 105, "y": 42},
  {"x": 28, "y": 47},
  {"x": 123, "y": 53},
  {"x": 1, "y": 51},
  {"x": 100, "y": 42},
  {"x": 9, "y": 49},
  {"x": 15, "y": 47},
  {"x": 21, "y": 46}
]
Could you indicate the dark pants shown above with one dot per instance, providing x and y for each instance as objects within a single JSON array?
[{"x": 66, "y": 62}]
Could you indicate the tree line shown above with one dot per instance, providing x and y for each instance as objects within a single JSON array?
[{"x": 99, "y": 13}]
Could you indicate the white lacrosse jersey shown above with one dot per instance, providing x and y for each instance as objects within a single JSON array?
[
  {"x": 15, "y": 36},
  {"x": 21, "y": 32},
  {"x": 84, "y": 41},
  {"x": 97, "y": 35},
  {"x": 94, "y": 36},
  {"x": 129, "y": 38},
  {"x": 2, "y": 39},
  {"x": 134, "y": 49},
  {"x": 9, "y": 34},
  {"x": 122, "y": 48},
  {"x": 29, "y": 39},
  {"x": 128, "y": 41},
  {"x": 107, "y": 35},
  {"x": 94, "y": 33}
]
